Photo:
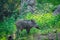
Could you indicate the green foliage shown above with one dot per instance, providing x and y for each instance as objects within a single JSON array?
[
  {"x": 43, "y": 20},
  {"x": 9, "y": 7},
  {"x": 34, "y": 31},
  {"x": 55, "y": 2},
  {"x": 3, "y": 38},
  {"x": 45, "y": 8},
  {"x": 7, "y": 27}
]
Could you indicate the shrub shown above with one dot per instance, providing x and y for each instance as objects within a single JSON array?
[{"x": 43, "y": 20}]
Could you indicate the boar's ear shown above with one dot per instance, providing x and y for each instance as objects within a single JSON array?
[{"x": 32, "y": 20}]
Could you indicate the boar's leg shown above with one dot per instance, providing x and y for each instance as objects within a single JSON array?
[{"x": 28, "y": 30}]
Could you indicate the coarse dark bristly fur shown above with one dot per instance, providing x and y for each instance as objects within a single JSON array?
[{"x": 26, "y": 24}]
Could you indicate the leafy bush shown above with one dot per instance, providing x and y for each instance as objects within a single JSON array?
[
  {"x": 55, "y": 2},
  {"x": 7, "y": 27},
  {"x": 44, "y": 8},
  {"x": 3, "y": 38},
  {"x": 43, "y": 20}
]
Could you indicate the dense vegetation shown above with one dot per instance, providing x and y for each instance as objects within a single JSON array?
[{"x": 10, "y": 11}]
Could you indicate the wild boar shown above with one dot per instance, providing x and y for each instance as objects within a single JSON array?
[{"x": 26, "y": 24}]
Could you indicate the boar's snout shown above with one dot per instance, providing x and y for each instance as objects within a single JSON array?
[{"x": 37, "y": 26}]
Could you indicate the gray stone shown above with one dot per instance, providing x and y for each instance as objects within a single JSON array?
[{"x": 57, "y": 10}]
